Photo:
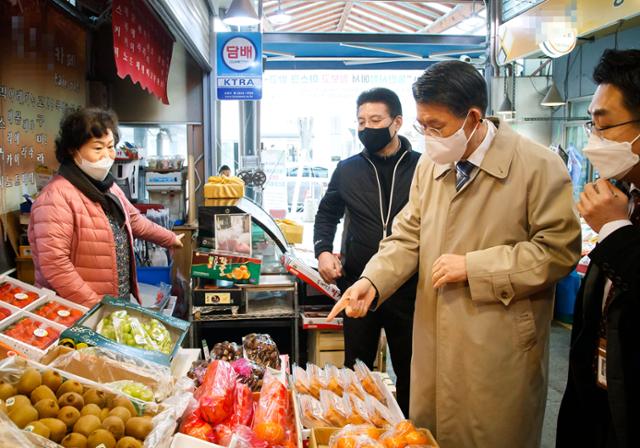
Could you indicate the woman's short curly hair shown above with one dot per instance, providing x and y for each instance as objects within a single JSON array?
[{"x": 81, "y": 125}]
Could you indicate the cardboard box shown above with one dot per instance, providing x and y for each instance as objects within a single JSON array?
[
  {"x": 320, "y": 437},
  {"x": 219, "y": 265},
  {"x": 85, "y": 330}
]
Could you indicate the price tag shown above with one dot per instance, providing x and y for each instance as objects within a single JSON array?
[
  {"x": 40, "y": 333},
  {"x": 21, "y": 296},
  {"x": 64, "y": 313},
  {"x": 205, "y": 349}
]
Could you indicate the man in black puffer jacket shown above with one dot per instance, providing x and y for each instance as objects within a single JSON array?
[{"x": 369, "y": 190}]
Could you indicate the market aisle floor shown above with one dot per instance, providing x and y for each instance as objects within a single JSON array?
[{"x": 558, "y": 365}]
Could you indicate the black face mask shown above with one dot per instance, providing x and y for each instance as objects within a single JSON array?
[{"x": 375, "y": 139}]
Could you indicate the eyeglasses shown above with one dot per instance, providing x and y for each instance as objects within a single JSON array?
[
  {"x": 590, "y": 127},
  {"x": 425, "y": 130}
]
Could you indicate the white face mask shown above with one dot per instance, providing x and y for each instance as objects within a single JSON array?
[
  {"x": 96, "y": 170},
  {"x": 450, "y": 149},
  {"x": 613, "y": 160}
]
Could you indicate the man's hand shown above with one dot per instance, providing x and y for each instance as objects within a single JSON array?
[
  {"x": 601, "y": 202},
  {"x": 449, "y": 268},
  {"x": 329, "y": 267},
  {"x": 355, "y": 300},
  {"x": 177, "y": 244}
]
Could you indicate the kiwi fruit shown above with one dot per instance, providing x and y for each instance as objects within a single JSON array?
[
  {"x": 69, "y": 415},
  {"x": 57, "y": 427},
  {"x": 114, "y": 425},
  {"x": 138, "y": 427},
  {"x": 93, "y": 396},
  {"x": 74, "y": 440},
  {"x": 3, "y": 406},
  {"x": 41, "y": 393},
  {"x": 52, "y": 379},
  {"x": 71, "y": 399},
  {"x": 104, "y": 413},
  {"x": 124, "y": 402},
  {"x": 87, "y": 424},
  {"x": 129, "y": 442},
  {"x": 23, "y": 415},
  {"x": 29, "y": 380},
  {"x": 17, "y": 401},
  {"x": 101, "y": 438},
  {"x": 7, "y": 390},
  {"x": 91, "y": 409},
  {"x": 70, "y": 386},
  {"x": 38, "y": 428},
  {"x": 47, "y": 408},
  {"x": 121, "y": 412}
]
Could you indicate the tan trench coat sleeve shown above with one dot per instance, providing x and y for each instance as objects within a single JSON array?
[
  {"x": 511, "y": 272},
  {"x": 397, "y": 258}
]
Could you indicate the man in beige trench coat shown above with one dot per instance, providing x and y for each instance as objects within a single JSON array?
[{"x": 490, "y": 227}]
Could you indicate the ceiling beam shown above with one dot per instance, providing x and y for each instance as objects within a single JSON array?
[
  {"x": 313, "y": 25},
  {"x": 345, "y": 15},
  {"x": 380, "y": 21},
  {"x": 394, "y": 17},
  {"x": 457, "y": 15},
  {"x": 300, "y": 24},
  {"x": 410, "y": 9},
  {"x": 301, "y": 19},
  {"x": 370, "y": 26}
]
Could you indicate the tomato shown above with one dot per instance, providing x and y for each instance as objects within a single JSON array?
[{"x": 270, "y": 432}]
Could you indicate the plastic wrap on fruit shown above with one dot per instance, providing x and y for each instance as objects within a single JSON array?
[
  {"x": 243, "y": 406},
  {"x": 249, "y": 373},
  {"x": 315, "y": 374},
  {"x": 351, "y": 435},
  {"x": 368, "y": 382},
  {"x": 159, "y": 334},
  {"x": 311, "y": 413},
  {"x": 351, "y": 383},
  {"x": 336, "y": 410},
  {"x": 244, "y": 437},
  {"x": 358, "y": 410},
  {"x": 301, "y": 380},
  {"x": 261, "y": 349},
  {"x": 193, "y": 425},
  {"x": 272, "y": 413},
  {"x": 217, "y": 392},
  {"x": 333, "y": 380},
  {"x": 378, "y": 414},
  {"x": 222, "y": 434},
  {"x": 405, "y": 434}
]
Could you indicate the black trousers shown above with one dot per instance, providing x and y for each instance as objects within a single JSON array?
[{"x": 361, "y": 337}]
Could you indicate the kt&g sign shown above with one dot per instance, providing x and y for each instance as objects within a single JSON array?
[{"x": 239, "y": 66}]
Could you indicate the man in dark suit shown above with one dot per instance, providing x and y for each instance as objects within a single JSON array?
[{"x": 601, "y": 405}]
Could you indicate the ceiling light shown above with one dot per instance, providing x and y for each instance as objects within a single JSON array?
[
  {"x": 241, "y": 13},
  {"x": 552, "y": 98},
  {"x": 280, "y": 17}
]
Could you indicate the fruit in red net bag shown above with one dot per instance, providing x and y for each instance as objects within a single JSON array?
[
  {"x": 194, "y": 426},
  {"x": 216, "y": 394}
]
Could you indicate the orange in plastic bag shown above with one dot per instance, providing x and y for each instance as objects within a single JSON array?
[
  {"x": 333, "y": 380},
  {"x": 315, "y": 374},
  {"x": 272, "y": 413},
  {"x": 404, "y": 435},
  {"x": 301, "y": 380},
  {"x": 351, "y": 383},
  {"x": 193, "y": 425},
  {"x": 368, "y": 382},
  {"x": 216, "y": 394},
  {"x": 355, "y": 436},
  {"x": 311, "y": 410},
  {"x": 358, "y": 410},
  {"x": 377, "y": 413}
]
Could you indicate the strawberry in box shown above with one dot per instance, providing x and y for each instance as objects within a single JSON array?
[
  {"x": 33, "y": 333},
  {"x": 4, "y": 313},
  {"x": 57, "y": 312},
  {"x": 16, "y": 296}
]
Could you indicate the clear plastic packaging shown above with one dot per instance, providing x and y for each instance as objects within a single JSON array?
[
  {"x": 272, "y": 418},
  {"x": 244, "y": 437},
  {"x": 351, "y": 384},
  {"x": 358, "y": 414},
  {"x": 261, "y": 349},
  {"x": 249, "y": 373},
  {"x": 405, "y": 434},
  {"x": 333, "y": 380},
  {"x": 335, "y": 410},
  {"x": 149, "y": 334},
  {"x": 378, "y": 414},
  {"x": 311, "y": 413},
  {"x": 365, "y": 377},
  {"x": 315, "y": 374},
  {"x": 356, "y": 436},
  {"x": 301, "y": 380}
]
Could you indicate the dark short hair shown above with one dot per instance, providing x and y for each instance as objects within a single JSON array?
[
  {"x": 224, "y": 168},
  {"x": 381, "y": 95},
  {"x": 456, "y": 85},
  {"x": 621, "y": 68},
  {"x": 81, "y": 125}
]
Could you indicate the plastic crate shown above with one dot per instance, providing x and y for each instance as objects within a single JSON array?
[{"x": 154, "y": 275}]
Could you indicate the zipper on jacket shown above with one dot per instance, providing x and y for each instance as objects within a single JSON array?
[{"x": 385, "y": 223}]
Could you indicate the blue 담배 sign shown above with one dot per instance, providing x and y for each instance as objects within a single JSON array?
[{"x": 239, "y": 66}]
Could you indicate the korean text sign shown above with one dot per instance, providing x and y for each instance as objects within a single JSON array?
[{"x": 239, "y": 66}]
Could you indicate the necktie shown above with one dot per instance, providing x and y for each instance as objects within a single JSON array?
[
  {"x": 635, "y": 220},
  {"x": 463, "y": 173}
]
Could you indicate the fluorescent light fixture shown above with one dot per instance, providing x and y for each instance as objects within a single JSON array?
[
  {"x": 241, "y": 13},
  {"x": 280, "y": 17},
  {"x": 219, "y": 26},
  {"x": 552, "y": 98},
  {"x": 382, "y": 50}
]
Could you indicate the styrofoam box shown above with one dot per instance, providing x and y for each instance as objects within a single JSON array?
[
  {"x": 51, "y": 297},
  {"x": 28, "y": 350},
  {"x": 14, "y": 310},
  {"x": 27, "y": 287},
  {"x": 184, "y": 441}
]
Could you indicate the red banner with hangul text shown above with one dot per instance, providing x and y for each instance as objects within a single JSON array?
[{"x": 141, "y": 46}]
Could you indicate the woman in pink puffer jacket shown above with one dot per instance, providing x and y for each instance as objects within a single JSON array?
[{"x": 82, "y": 226}]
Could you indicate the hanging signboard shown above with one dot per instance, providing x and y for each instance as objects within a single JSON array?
[
  {"x": 239, "y": 66},
  {"x": 141, "y": 46}
]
